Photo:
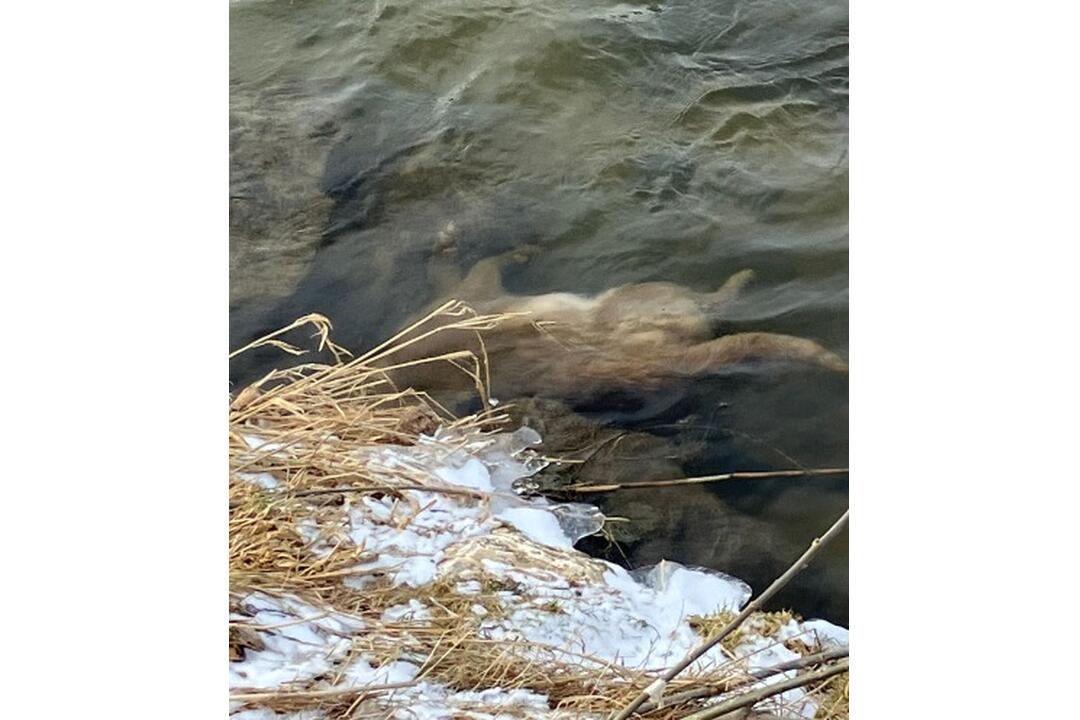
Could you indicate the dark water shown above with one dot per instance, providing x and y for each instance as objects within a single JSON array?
[{"x": 677, "y": 141}]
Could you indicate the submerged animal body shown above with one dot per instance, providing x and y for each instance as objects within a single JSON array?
[{"x": 632, "y": 336}]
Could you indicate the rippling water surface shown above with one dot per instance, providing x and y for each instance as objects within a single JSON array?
[{"x": 677, "y": 141}]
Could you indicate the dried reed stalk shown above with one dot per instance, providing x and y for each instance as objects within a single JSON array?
[
  {"x": 584, "y": 488},
  {"x": 308, "y": 428}
]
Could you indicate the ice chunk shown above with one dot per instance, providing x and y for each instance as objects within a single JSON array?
[
  {"x": 473, "y": 474},
  {"x": 522, "y": 438},
  {"x": 509, "y": 444},
  {"x": 578, "y": 520},
  {"x": 506, "y": 473},
  {"x": 538, "y": 524},
  {"x": 700, "y": 591},
  {"x": 509, "y": 458}
]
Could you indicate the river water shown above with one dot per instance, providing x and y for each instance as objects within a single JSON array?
[{"x": 629, "y": 142}]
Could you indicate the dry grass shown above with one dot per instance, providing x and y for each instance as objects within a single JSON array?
[
  {"x": 834, "y": 698},
  {"x": 765, "y": 624},
  {"x": 306, "y": 426}
]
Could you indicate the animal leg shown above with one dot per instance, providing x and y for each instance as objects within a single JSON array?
[{"x": 729, "y": 350}]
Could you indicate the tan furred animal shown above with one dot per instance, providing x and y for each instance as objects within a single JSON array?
[{"x": 633, "y": 336}]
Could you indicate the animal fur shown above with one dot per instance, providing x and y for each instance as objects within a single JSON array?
[{"x": 633, "y": 336}]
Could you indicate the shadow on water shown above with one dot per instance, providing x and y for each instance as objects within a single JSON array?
[{"x": 752, "y": 529}]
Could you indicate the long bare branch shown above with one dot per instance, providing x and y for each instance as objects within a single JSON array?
[
  {"x": 752, "y": 698},
  {"x": 655, "y": 691},
  {"x": 710, "y": 691}
]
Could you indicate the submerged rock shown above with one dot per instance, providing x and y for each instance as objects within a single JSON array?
[
  {"x": 278, "y": 142},
  {"x": 753, "y": 534}
]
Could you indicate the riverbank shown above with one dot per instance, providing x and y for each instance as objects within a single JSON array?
[{"x": 387, "y": 560}]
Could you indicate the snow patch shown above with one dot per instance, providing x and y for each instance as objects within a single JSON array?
[
  {"x": 537, "y": 524},
  {"x": 638, "y": 620},
  {"x": 826, "y": 634}
]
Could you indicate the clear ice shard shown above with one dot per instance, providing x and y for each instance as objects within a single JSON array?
[{"x": 578, "y": 520}]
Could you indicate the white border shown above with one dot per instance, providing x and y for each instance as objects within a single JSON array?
[
  {"x": 963, "y": 388},
  {"x": 115, "y": 181},
  {"x": 964, "y": 384}
]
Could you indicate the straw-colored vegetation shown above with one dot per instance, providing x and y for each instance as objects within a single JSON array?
[{"x": 310, "y": 421}]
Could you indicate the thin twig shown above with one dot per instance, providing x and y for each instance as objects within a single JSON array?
[
  {"x": 704, "y": 692},
  {"x": 583, "y": 488},
  {"x": 752, "y": 698},
  {"x": 656, "y": 689},
  {"x": 329, "y": 692},
  {"x": 389, "y": 489}
]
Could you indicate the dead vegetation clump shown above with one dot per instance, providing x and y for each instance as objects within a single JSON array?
[{"x": 300, "y": 446}]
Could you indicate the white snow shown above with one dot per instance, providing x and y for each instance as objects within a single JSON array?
[
  {"x": 825, "y": 633},
  {"x": 301, "y": 642},
  {"x": 537, "y": 524},
  {"x": 429, "y": 701},
  {"x": 696, "y": 592},
  {"x": 638, "y": 620},
  {"x": 472, "y": 474},
  {"x": 266, "y": 714},
  {"x": 363, "y": 673},
  {"x": 263, "y": 480},
  {"x": 414, "y": 610}
]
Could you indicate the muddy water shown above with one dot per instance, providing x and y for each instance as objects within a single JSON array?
[{"x": 632, "y": 141}]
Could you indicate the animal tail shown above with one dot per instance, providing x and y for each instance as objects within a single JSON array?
[{"x": 714, "y": 304}]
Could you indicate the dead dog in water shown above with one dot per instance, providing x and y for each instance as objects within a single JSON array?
[{"x": 568, "y": 345}]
